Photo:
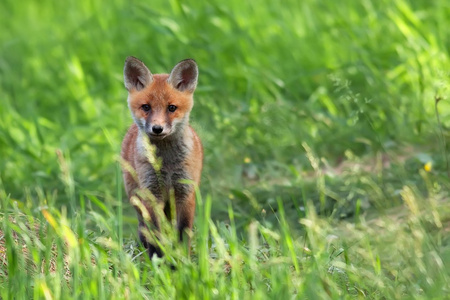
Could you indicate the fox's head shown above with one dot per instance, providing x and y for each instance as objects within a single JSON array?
[{"x": 160, "y": 104}]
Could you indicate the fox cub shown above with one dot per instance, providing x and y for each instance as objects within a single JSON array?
[{"x": 160, "y": 105}]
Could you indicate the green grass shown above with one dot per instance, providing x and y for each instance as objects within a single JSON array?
[{"x": 317, "y": 119}]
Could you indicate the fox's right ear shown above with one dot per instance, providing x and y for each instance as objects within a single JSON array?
[{"x": 136, "y": 75}]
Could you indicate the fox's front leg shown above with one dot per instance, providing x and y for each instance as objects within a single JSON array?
[
  {"x": 152, "y": 249},
  {"x": 185, "y": 210},
  {"x": 145, "y": 232}
]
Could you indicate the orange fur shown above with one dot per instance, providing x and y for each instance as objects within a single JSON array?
[{"x": 151, "y": 99}]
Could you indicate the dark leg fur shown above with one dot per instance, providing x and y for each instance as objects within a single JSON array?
[
  {"x": 185, "y": 219},
  {"x": 152, "y": 250}
]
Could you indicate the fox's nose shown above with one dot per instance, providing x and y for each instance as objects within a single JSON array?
[{"x": 157, "y": 129}]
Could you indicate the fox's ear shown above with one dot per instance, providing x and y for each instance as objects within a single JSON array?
[
  {"x": 184, "y": 76},
  {"x": 136, "y": 75}
]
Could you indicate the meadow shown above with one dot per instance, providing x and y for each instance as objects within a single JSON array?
[{"x": 325, "y": 127}]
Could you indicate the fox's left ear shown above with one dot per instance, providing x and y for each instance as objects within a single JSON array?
[{"x": 184, "y": 76}]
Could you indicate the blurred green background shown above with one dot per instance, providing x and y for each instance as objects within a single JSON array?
[{"x": 344, "y": 79}]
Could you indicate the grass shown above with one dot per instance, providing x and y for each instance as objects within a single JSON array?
[{"x": 319, "y": 122}]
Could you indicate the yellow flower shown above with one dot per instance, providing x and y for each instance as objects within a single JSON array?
[
  {"x": 247, "y": 160},
  {"x": 428, "y": 166}
]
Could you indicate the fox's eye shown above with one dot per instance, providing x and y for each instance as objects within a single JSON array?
[
  {"x": 172, "y": 108},
  {"x": 146, "y": 107}
]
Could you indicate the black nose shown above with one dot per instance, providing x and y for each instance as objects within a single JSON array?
[{"x": 157, "y": 129}]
